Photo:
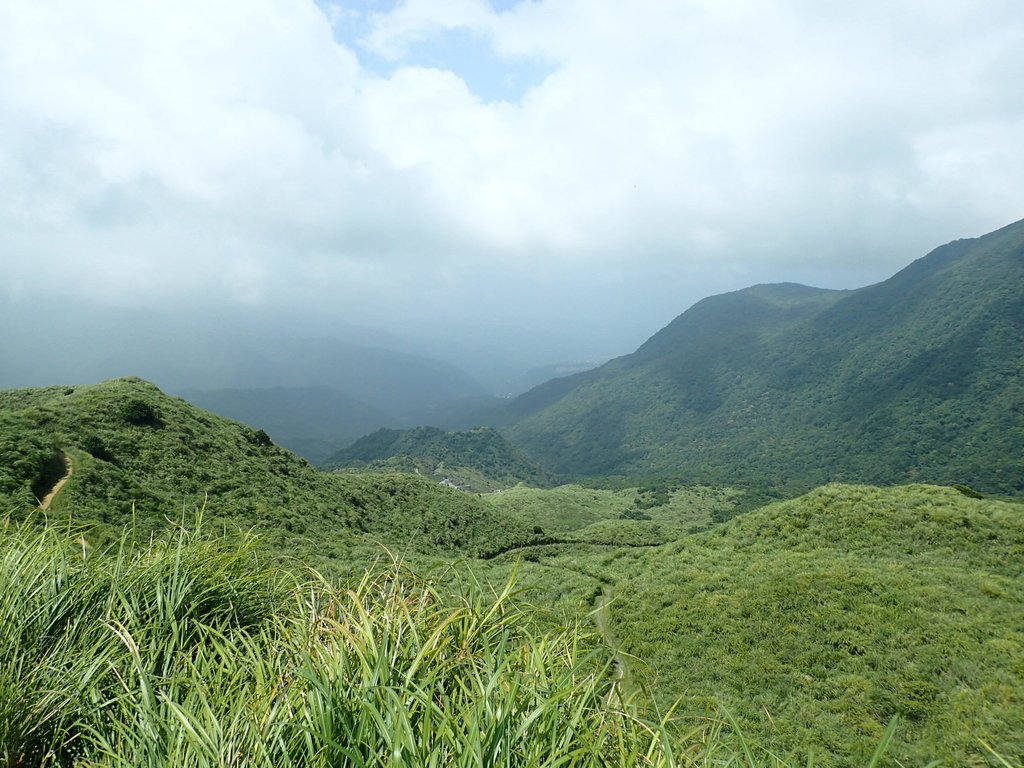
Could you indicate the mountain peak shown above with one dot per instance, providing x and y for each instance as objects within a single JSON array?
[{"x": 917, "y": 378}]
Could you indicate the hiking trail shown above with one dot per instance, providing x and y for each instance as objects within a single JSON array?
[{"x": 68, "y": 471}]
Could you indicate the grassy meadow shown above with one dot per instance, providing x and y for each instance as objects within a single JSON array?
[
  {"x": 193, "y": 651},
  {"x": 358, "y": 619}
]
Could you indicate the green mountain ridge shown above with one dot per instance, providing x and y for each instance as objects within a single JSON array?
[{"x": 917, "y": 378}]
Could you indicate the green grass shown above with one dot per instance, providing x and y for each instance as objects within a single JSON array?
[
  {"x": 575, "y": 511},
  {"x": 817, "y": 620},
  {"x": 192, "y": 652},
  {"x": 143, "y": 457}
]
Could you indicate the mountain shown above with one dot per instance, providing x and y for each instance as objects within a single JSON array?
[
  {"x": 478, "y": 459},
  {"x": 181, "y": 351},
  {"x": 918, "y": 378},
  {"x": 402, "y": 385},
  {"x": 141, "y": 457},
  {"x": 313, "y": 422}
]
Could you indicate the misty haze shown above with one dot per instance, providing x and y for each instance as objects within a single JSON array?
[{"x": 511, "y": 382}]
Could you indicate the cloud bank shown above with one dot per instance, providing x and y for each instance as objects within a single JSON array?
[{"x": 454, "y": 165}]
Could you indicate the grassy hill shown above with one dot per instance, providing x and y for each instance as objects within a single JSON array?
[
  {"x": 141, "y": 456},
  {"x": 192, "y": 652},
  {"x": 918, "y": 378},
  {"x": 478, "y": 459},
  {"x": 817, "y": 620}
]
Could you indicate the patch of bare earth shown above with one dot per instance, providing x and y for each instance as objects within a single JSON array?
[{"x": 68, "y": 471}]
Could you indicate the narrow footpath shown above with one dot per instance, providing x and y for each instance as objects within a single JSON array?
[
  {"x": 68, "y": 471},
  {"x": 601, "y": 604}
]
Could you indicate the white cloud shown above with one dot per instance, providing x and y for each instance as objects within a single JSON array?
[
  {"x": 415, "y": 21},
  {"x": 155, "y": 150}
]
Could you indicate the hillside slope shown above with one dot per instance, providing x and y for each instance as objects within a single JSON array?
[
  {"x": 142, "y": 457},
  {"x": 818, "y": 619},
  {"x": 918, "y": 378},
  {"x": 479, "y": 459}
]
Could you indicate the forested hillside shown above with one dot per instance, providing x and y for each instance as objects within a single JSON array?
[
  {"x": 477, "y": 459},
  {"x": 918, "y": 378}
]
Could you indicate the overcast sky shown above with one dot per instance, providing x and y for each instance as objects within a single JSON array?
[{"x": 577, "y": 171}]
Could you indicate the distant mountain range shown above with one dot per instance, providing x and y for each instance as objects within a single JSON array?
[
  {"x": 918, "y": 378},
  {"x": 314, "y": 422},
  {"x": 915, "y": 379}
]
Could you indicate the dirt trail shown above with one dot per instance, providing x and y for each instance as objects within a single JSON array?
[
  {"x": 601, "y": 622},
  {"x": 68, "y": 471}
]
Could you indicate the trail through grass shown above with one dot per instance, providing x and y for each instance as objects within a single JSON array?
[{"x": 52, "y": 494}]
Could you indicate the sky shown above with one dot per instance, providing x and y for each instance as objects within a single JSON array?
[{"x": 559, "y": 176}]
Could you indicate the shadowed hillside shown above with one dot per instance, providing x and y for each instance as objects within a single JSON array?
[
  {"x": 478, "y": 459},
  {"x": 314, "y": 422}
]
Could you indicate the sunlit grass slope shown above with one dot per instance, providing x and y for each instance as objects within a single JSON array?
[
  {"x": 584, "y": 514},
  {"x": 190, "y": 652},
  {"x": 143, "y": 457},
  {"x": 816, "y": 620}
]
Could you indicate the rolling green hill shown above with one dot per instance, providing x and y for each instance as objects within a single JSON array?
[
  {"x": 818, "y": 619},
  {"x": 477, "y": 459},
  {"x": 918, "y": 378},
  {"x": 142, "y": 457}
]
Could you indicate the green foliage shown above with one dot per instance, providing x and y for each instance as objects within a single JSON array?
[
  {"x": 141, "y": 456},
  {"x": 189, "y": 652},
  {"x": 674, "y": 511},
  {"x": 477, "y": 459},
  {"x": 817, "y": 620},
  {"x": 140, "y": 413},
  {"x": 917, "y": 379}
]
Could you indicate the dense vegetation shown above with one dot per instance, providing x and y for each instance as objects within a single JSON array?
[
  {"x": 918, "y": 378},
  {"x": 654, "y": 514},
  {"x": 817, "y": 620},
  {"x": 814, "y": 621},
  {"x": 478, "y": 459},
  {"x": 192, "y": 653},
  {"x": 142, "y": 457}
]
